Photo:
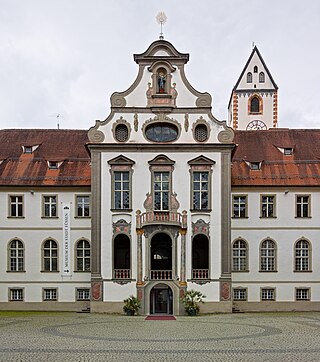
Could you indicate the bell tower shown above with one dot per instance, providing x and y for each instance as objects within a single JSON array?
[{"x": 253, "y": 103}]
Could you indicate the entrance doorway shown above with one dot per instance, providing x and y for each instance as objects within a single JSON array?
[{"x": 161, "y": 300}]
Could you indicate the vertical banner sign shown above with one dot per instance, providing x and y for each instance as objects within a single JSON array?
[{"x": 66, "y": 238}]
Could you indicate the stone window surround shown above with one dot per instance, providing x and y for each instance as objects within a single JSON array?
[
  {"x": 121, "y": 121},
  {"x": 209, "y": 255},
  {"x": 81, "y": 290},
  {"x": 255, "y": 95},
  {"x": 309, "y": 258},
  {"x": 309, "y": 206},
  {"x": 246, "y": 257},
  {"x": 299, "y": 289},
  {"x": 274, "y": 214},
  {"x": 113, "y": 250},
  {"x": 201, "y": 121},
  {"x": 43, "y": 270},
  {"x": 240, "y": 289},
  {"x": 11, "y": 290},
  {"x": 246, "y": 206},
  {"x": 76, "y": 206},
  {"x": 10, "y": 203},
  {"x": 161, "y": 118},
  {"x": 268, "y": 257},
  {"x": 44, "y": 299},
  {"x": 262, "y": 289},
  {"x": 9, "y": 257},
  {"x": 44, "y": 216},
  {"x": 76, "y": 270}
]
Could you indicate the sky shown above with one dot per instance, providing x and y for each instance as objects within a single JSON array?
[{"x": 66, "y": 57}]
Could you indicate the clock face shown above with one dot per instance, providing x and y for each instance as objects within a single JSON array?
[{"x": 256, "y": 125}]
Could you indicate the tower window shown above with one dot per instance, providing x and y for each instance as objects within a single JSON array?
[
  {"x": 255, "y": 69},
  {"x": 261, "y": 77},
  {"x": 249, "y": 77},
  {"x": 255, "y": 105}
]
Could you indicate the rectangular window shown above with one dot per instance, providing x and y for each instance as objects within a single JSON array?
[
  {"x": 302, "y": 294},
  {"x": 287, "y": 151},
  {"x": 239, "y": 206},
  {"x": 16, "y": 206},
  {"x": 50, "y": 206},
  {"x": 121, "y": 190},
  {"x": 83, "y": 206},
  {"x": 27, "y": 149},
  {"x": 161, "y": 189},
  {"x": 303, "y": 206},
  {"x": 16, "y": 294},
  {"x": 83, "y": 294},
  {"x": 50, "y": 294},
  {"x": 267, "y": 294},
  {"x": 267, "y": 206},
  {"x": 240, "y": 294},
  {"x": 200, "y": 190}
]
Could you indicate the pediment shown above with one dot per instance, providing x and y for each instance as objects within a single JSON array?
[
  {"x": 121, "y": 160},
  {"x": 161, "y": 160},
  {"x": 201, "y": 160}
]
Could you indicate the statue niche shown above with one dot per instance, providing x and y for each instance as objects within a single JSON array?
[{"x": 161, "y": 81}]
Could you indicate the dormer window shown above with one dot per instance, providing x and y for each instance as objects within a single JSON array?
[
  {"x": 261, "y": 77},
  {"x": 53, "y": 165},
  {"x": 287, "y": 151},
  {"x": 249, "y": 77},
  {"x": 27, "y": 149},
  {"x": 255, "y": 166},
  {"x": 255, "y": 69}
]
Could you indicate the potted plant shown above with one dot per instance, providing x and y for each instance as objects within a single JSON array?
[
  {"x": 131, "y": 305},
  {"x": 191, "y": 300}
]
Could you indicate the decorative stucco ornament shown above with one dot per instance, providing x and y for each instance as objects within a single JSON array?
[
  {"x": 186, "y": 122},
  {"x": 135, "y": 122}
]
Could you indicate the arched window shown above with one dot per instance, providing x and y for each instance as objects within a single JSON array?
[
  {"x": 121, "y": 257},
  {"x": 50, "y": 255},
  {"x": 239, "y": 255},
  {"x": 254, "y": 105},
  {"x": 83, "y": 255},
  {"x": 268, "y": 255},
  {"x": 16, "y": 255},
  {"x": 261, "y": 77},
  {"x": 200, "y": 257},
  {"x": 255, "y": 69},
  {"x": 249, "y": 77},
  {"x": 302, "y": 253}
]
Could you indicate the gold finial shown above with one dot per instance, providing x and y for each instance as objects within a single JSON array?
[{"x": 161, "y": 19}]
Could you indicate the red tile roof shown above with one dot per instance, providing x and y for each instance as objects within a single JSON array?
[
  {"x": 66, "y": 146},
  {"x": 299, "y": 169}
]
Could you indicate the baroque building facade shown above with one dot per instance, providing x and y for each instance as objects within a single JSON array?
[{"x": 161, "y": 197}]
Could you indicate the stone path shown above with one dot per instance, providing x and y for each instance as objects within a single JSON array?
[{"x": 94, "y": 337}]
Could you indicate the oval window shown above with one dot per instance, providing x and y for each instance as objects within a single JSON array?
[{"x": 161, "y": 132}]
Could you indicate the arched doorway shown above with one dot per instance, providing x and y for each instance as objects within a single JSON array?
[
  {"x": 161, "y": 257},
  {"x": 161, "y": 299}
]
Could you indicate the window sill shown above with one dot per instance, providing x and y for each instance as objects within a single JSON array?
[
  {"x": 268, "y": 300},
  {"x": 201, "y": 211},
  {"x": 240, "y": 217},
  {"x": 121, "y": 210},
  {"x": 303, "y": 300},
  {"x": 82, "y": 271},
  {"x": 268, "y": 271},
  {"x": 302, "y": 217},
  {"x": 268, "y": 217},
  {"x": 49, "y": 217},
  {"x": 82, "y": 217},
  {"x": 240, "y": 300},
  {"x": 15, "y": 217},
  {"x": 49, "y": 300},
  {"x": 16, "y": 271},
  {"x": 13, "y": 300},
  {"x": 49, "y": 271},
  {"x": 240, "y": 271},
  {"x": 302, "y": 271}
]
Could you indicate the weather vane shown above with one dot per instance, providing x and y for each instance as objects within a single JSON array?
[{"x": 161, "y": 19}]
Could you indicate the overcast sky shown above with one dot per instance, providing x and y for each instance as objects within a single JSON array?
[{"x": 68, "y": 56}]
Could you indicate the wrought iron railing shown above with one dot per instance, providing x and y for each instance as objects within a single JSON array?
[{"x": 161, "y": 274}]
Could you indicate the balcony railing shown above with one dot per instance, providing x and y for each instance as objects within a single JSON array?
[
  {"x": 200, "y": 273},
  {"x": 162, "y": 217},
  {"x": 122, "y": 274},
  {"x": 161, "y": 274}
]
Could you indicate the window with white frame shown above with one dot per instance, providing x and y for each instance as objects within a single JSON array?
[
  {"x": 268, "y": 206},
  {"x": 16, "y": 206},
  {"x": 16, "y": 294},
  {"x": 83, "y": 206},
  {"x": 50, "y": 294},
  {"x": 302, "y": 206},
  {"x": 302, "y": 293},
  {"x": 83, "y": 294},
  {"x": 200, "y": 190},
  {"x": 268, "y": 294},
  {"x": 49, "y": 205},
  {"x": 16, "y": 256},
  {"x": 261, "y": 77},
  {"x": 161, "y": 190},
  {"x": 50, "y": 256},
  {"x": 83, "y": 255},
  {"x": 268, "y": 255},
  {"x": 302, "y": 255},
  {"x": 239, "y": 255},
  {"x": 239, "y": 206},
  {"x": 249, "y": 77},
  {"x": 239, "y": 294}
]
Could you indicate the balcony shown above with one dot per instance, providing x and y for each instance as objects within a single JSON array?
[
  {"x": 122, "y": 274},
  {"x": 161, "y": 275},
  {"x": 162, "y": 217},
  {"x": 199, "y": 274}
]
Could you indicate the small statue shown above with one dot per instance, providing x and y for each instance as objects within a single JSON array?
[{"x": 161, "y": 82}]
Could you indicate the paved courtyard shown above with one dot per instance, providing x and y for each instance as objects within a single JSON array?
[{"x": 94, "y": 337}]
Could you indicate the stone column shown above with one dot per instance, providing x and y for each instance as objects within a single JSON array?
[
  {"x": 183, "y": 233},
  {"x": 139, "y": 257}
]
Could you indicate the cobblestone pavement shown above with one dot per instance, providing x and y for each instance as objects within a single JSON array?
[{"x": 94, "y": 337}]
